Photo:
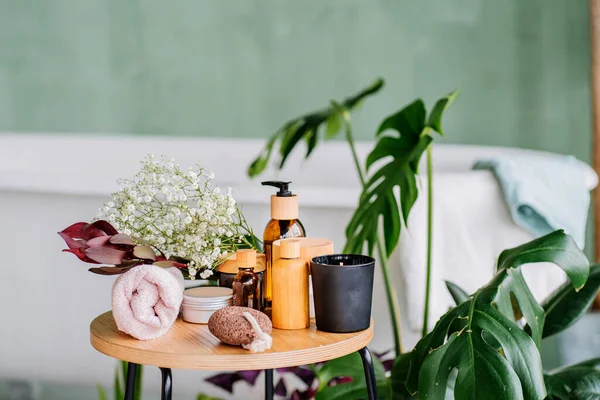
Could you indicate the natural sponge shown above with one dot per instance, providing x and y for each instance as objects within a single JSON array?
[{"x": 230, "y": 326}]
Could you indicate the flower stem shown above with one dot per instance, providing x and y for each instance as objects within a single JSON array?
[
  {"x": 429, "y": 237},
  {"x": 383, "y": 259}
]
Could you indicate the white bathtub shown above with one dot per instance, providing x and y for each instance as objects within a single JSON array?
[{"x": 50, "y": 181}]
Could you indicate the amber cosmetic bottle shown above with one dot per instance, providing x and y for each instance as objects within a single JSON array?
[
  {"x": 290, "y": 291},
  {"x": 284, "y": 224},
  {"x": 246, "y": 284}
]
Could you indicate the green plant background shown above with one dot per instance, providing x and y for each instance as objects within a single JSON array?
[{"x": 238, "y": 68}]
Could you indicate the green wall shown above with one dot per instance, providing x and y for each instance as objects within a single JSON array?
[{"x": 239, "y": 68}]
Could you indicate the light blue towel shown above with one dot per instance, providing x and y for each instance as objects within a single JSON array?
[{"x": 543, "y": 192}]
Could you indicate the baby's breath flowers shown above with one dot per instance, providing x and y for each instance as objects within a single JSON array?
[{"x": 179, "y": 213}]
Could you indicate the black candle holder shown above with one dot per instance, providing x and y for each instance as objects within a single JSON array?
[{"x": 343, "y": 292}]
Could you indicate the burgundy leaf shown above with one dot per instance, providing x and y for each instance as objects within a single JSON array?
[
  {"x": 144, "y": 252},
  {"x": 388, "y": 364},
  {"x": 306, "y": 375},
  {"x": 340, "y": 380},
  {"x": 280, "y": 389},
  {"x": 105, "y": 255},
  {"x": 98, "y": 241},
  {"x": 80, "y": 253},
  {"x": 121, "y": 238},
  {"x": 72, "y": 243},
  {"x": 225, "y": 381},
  {"x": 308, "y": 394},
  {"x": 110, "y": 270},
  {"x": 99, "y": 228},
  {"x": 74, "y": 231},
  {"x": 249, "y": 376}
]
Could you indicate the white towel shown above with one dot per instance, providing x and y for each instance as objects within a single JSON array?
[
  {"x": 472, "y": 225},
  {"x": 146, "y": 300}
]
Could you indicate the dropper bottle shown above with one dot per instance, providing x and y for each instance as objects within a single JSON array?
[{"x": 284, "y": 224}]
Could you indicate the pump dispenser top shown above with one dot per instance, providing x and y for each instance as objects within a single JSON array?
[{"x": 284, "y": 204}]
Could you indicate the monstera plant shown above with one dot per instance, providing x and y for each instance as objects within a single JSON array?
[{"x": 487, "y": 347}]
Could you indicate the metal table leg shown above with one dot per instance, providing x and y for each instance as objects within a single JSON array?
[
  {"x": 130, "y": 384},
  {"x": 167, "y": 384},
  {"x": 269, "y": 388},
  {"x": 367, "y": 361}
]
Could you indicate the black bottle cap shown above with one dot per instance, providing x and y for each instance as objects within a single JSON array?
[{"x": 284, "y": 188}]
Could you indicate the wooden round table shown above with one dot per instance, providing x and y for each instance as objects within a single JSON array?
[{"x": 192, "y": 346}]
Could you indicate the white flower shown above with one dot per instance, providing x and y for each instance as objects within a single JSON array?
[
  {"x": 206, "y": 273},
  {"x": 177, "y": 211}
]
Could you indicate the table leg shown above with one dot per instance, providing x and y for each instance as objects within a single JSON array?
[
  {"x": 130, "y": 383},
  {"x": 269, "y": 389},
  {"x": 167, "y": 384},
  {"x": 367, "y": 361}
]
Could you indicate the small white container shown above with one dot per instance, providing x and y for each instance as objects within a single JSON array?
[{"x": 201, "y": 302}]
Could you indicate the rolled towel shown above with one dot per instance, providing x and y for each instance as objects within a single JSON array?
[{"x": 146, "y": 300}]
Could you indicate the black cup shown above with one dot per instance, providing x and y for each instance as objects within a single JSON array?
[{"x": 343, "y": 291}]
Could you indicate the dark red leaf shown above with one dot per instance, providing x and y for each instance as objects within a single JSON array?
[
  {"x": 110, "y": 270},
  {"x": 121, "y": 238},
  {"x": 80, "y": 253},
  {"x": 72, "y": 243},
  {"x": 304, "y": 374},
  {"x": 98, "y": 241},
  {"x": 249, "y": 376},
  {"x": 224, "y": 381},
  {"x": 105, "y": 255},
  {"x": 74, "y": 231},
  {"x": 100, "y": 228},
  {"x": 280, "y": 389}
]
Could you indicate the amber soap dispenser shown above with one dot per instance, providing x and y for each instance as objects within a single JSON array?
[
  {"x": 284, "y": 224},
  {"x": 290, "y": 291}
]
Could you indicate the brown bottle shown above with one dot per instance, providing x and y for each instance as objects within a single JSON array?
[
  {"x": 246, "y": 284},
  {"x": 284, "y": 224}
]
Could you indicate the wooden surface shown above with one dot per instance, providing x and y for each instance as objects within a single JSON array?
[
  {"x": 192, "y": 346},
  {"x": 595, "y": 79}
]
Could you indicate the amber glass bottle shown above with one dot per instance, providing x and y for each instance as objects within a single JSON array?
[
  {"x": 246, "y": 284},
  {"x": 284, "y": 224}
]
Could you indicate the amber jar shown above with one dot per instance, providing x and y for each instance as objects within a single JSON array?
[{"x": 246, "y": 289}]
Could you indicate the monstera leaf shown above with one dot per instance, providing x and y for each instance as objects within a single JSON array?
[
  {"x": 479, "y": 338},
  {"x": 349, "y": 366},
  {"x": 566, "y": 305},
  {"x": 402, "y": 149},
  {"x": 307, "y": 127},
  {"x": 579, "y": 381}
]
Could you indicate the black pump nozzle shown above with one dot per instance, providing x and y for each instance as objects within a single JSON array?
[{"x": 284, "y": 188}]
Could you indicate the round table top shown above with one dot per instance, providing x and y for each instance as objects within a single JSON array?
[{"x": 192, "y": 346}]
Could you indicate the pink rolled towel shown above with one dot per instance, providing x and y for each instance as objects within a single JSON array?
[{"x": 146, "y": 300}]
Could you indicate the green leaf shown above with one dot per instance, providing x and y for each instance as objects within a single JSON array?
[
  {"x": 457, "y": 293},
  {"x": 565, "y": 305},
  {"x": 202, "y": 396},
  {"x": 400, "y": 151},
  {"x": 556, "y": 248},
  {"x": 399, "y": 374},
  {"x": 306, "y": 127},
  {"x": 494, "y": 358},
  {"x": 334, "y": 124},
  {"x": 350, "y": 366},
  {"x": 435, "y": 118},
  {"x": 569, "y": 375},
  {"x": 588, "y": 387},
  {"x": 556, "y": 388},
  {"x": 120, "y": 376},
  {"x": 101, "y": 392}
]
